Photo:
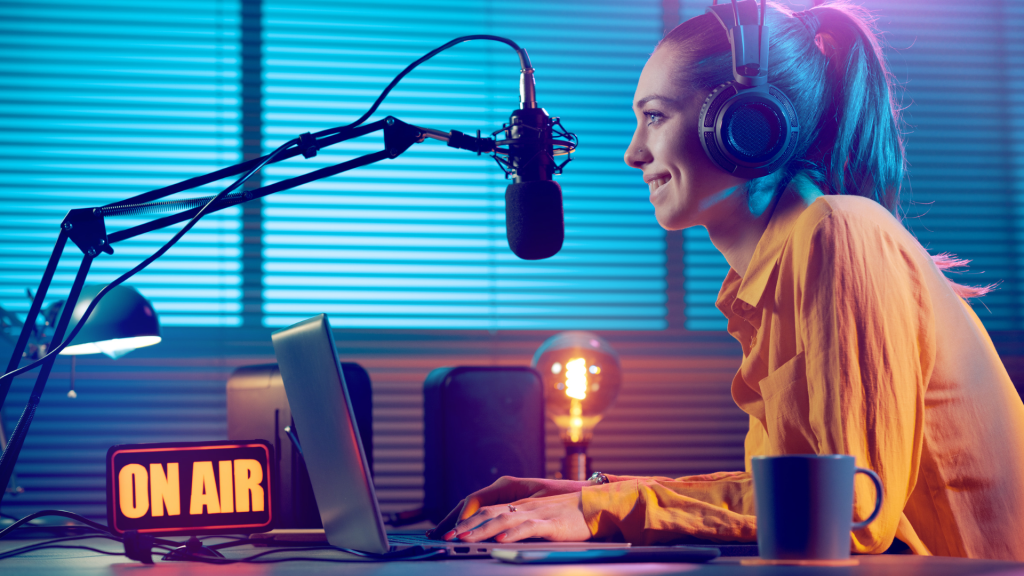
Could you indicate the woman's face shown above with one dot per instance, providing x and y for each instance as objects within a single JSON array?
[{"x": 686, "y": 188}]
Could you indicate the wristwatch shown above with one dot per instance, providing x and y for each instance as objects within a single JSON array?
[{"x": 598, "y": 478}]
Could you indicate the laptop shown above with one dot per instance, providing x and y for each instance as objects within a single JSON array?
[{"x": 333, "y": 452}]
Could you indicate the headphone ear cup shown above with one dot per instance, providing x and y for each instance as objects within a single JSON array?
[
  {"x": 749, "y": 132},
  {"x": 706, "y": 125}
]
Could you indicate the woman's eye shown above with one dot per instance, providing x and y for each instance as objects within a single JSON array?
[{"x": 653, "y": 116}]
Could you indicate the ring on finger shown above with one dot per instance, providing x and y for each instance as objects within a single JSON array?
[{"x": 511, "y": 508}]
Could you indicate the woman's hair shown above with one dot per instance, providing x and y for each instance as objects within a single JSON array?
[
  {"x": 850, "y": 129},
  {"x": 830, "y": 64}
]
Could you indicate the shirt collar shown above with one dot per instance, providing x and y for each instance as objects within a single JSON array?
[{"x": 770, "y": 247}]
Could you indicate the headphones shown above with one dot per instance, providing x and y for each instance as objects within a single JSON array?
[{"x": 747, "y": 127}]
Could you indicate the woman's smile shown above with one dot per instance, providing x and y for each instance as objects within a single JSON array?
[{"x": 657, "y": 183}]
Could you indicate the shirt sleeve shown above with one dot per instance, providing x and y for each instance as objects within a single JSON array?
[
  {"x": 865, "y": 316},
  {"x": 651, "y": 510}
]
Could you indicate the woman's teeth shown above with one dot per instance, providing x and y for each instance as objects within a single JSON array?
[{"x": 656, "y": 183}]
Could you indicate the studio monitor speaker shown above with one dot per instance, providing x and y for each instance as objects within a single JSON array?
[
  {"x": 480, "y": 423},
  {"x": 258, "y": 409}
]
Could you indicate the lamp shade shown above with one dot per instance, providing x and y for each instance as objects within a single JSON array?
[{"x": 121, "y": 322}]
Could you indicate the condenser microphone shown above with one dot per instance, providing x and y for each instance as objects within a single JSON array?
[{"x": 533, "y": 202}]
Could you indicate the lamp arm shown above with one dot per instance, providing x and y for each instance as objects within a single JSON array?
[
  {"x": 33, "y": 313},
  {"x": 17, "y": 439}
]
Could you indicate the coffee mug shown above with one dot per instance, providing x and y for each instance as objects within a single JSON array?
[{"x": 805, "y": 506}]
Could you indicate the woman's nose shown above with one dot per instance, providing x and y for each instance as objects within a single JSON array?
[{"x": 635, "y": 155}]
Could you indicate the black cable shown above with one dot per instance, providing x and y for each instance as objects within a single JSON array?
[
  {"x": 62, "y": 513},
  {"x": 232, "y": 541},
  {"x": 52, "y": 544},
  {"x": 410, "y": 554},
  {"x": 57, "y": 543},
  {"x": 523, "y": 60},
  {"x": 104, "y": 531},
  {"x": 142, "y": 265},
  {"x": 414, "y": 553},
  {"x": 432, "y": 554},
  {"x": 26, "y": 549}
]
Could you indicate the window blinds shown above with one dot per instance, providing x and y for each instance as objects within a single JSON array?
[
  {"x": 419, "y": 241},
  {"x": 99, "y": 101},
  {"x": 960, "y": 66}
]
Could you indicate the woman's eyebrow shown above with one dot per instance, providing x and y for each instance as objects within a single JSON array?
[{"x": 643, "y": 101}]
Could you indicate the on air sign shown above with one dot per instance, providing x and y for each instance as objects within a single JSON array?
[{"x": 190, "y": 487}]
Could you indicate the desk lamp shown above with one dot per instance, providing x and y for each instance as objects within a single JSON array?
[
  {"x": 122, "y": 321},
  {"x": 582, "y": 376}
]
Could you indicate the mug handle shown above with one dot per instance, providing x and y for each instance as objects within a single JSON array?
[{"x": 878, "y": 498}]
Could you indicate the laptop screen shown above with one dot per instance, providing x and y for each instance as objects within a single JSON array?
[{"x": 331, "y": 447}]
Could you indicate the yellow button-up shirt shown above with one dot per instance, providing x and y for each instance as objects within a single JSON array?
[{"x": 853, "y": 343}]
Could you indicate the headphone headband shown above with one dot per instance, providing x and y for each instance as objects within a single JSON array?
[
  {"x": 749, "y": 40},
  {"x": 747, "y": 127}
]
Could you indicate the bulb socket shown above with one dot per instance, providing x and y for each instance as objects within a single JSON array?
[{"x": 576, "y": 465}]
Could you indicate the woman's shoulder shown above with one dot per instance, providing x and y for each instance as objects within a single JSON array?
[
  {"x": 850, "y": 223},
  {"x": 849, "y": 208}
]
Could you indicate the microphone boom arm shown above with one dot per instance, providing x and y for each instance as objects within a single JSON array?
[{"x": 86, "y": 228}]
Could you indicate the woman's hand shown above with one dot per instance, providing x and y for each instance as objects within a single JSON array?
[
  {"x": 559, "y": 518},
  {"x": 505, "y": 490}
]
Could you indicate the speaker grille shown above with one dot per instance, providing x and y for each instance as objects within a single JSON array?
[{"x": 753, "y": 131}]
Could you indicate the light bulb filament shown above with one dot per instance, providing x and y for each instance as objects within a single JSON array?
[{"x": 576, "y": 378}]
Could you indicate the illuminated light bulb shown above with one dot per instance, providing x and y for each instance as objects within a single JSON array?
[
  {"x": 576, "y": 378},
  {"x": 582, "y": 376}
]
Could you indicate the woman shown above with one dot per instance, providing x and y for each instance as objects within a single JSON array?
[{"x": 853, "y": 340}]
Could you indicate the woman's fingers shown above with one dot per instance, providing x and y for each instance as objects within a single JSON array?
[
  {"x": 478, "y": 518},
  {"x": 528, "y": 528},
  {"x": 448, "y": 523},
  {"x": 470, "y": 505},
  {"x": 505, "y": 489},
  {"x": 558, "y": 518},
  {"x": 495, "y": 523}
]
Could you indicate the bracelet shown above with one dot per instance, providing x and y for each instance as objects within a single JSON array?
[{"x": 598, "y": 478}]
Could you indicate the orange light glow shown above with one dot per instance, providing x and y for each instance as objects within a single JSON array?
[{"x": 576, "y": 378}]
